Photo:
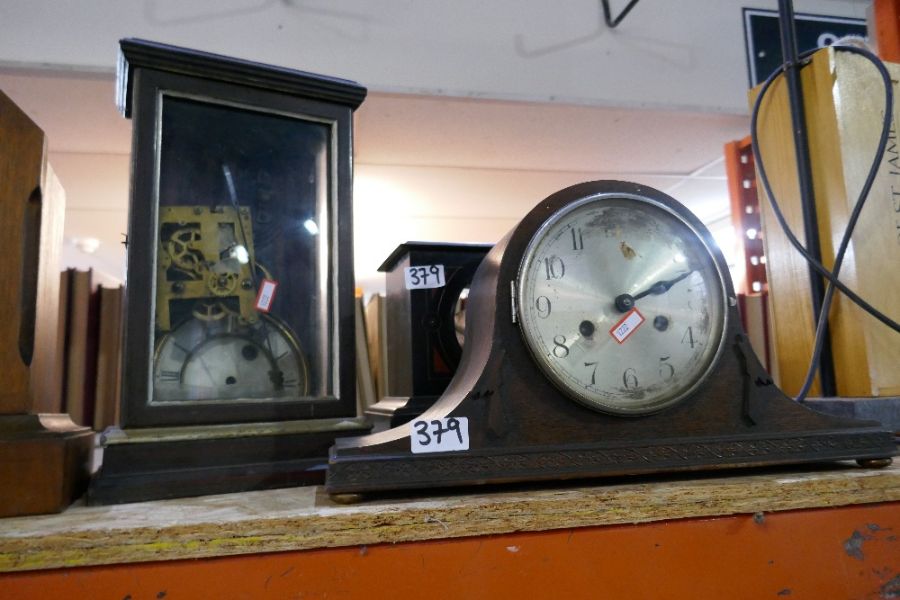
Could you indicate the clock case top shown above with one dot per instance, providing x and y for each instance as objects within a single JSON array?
[
  {"x": 146, "y": 69},
  {"x": 523, "y": 428},
  {"x": 424, "y": 350}
]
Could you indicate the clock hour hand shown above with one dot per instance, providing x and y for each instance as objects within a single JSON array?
[
  {"x": 625, "y": 302},
  {"x": 276, "y": 375}
]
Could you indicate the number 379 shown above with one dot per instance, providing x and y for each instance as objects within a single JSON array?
[
  {"x": 449, "y": 434},
  {"x": 433, "y": 431}
]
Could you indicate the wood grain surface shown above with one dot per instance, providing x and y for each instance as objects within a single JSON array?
[
  {"x": 44, "y": 457},
  {"x": 844, "y": 103},
  {"x": 306, "y": 518},
  {"x": 871, "y": 264},
  {"x": 21, "y": 173},
  {"x": 786, "y": 270}
]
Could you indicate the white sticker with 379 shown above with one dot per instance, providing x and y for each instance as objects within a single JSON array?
[
  {"x": 424, "y": 277},
  {"x": 448, "y": 434}
]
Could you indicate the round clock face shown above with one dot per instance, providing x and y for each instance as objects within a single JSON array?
[
  {"x": 621, "y": 303},
  {"x": 219, "y": 359}
]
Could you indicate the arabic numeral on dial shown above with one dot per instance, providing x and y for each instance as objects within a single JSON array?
[
  {"x": 542, "y": 304},
  {"x": 559, "y": 347},
  {"x": 593, "y": 371},
  {"x": 666, "y": 371},
  {"x": 555, "y": 267},
  {"x": 577, "y": 239},
  {"x": 688, "y": 338},
  {"x": 629, "y": 379}
]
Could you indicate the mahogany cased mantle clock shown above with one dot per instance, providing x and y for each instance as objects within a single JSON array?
[{"x": 238, "y": 356}]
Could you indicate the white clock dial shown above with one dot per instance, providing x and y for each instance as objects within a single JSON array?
[
  {"x": 621, "y": 303},
  {"x": 220, "y": 360}
]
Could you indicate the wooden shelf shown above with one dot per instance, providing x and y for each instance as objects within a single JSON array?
[{"x": 306, "y": 518}]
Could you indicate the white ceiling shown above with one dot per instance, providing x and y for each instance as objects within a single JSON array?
[
  {"x": 687, "y": 54},
  {"x": 477, "y": 110}
]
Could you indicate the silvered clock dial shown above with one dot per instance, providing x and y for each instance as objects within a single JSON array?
[
  {"x": 621, "y": 303},
  {"x": 222, "y": 358}
]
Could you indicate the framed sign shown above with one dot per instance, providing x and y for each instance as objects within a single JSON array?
[{"x": 763, "y": 40}]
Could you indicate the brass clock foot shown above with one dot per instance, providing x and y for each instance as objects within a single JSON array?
[
  {"x": 874, "y": 463},
  {"x": 346, "y": 498}
]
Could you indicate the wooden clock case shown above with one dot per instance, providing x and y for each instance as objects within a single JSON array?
[
  {"x": 175, "y": 449},
  {"x": 424, "y": 352},
  {"x": 522, "y": 428},
  {"x": 45, "y": 458}
]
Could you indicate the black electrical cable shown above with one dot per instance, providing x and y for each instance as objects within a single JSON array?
[
  {"x": 808, "y": 208},
  {"x": 822, "y": 321},
  {"x": 822, "y": 270},
  {"x": 831, "y": 276}
]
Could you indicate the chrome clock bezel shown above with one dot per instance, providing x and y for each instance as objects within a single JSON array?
[{"x": 701, "y": 237}]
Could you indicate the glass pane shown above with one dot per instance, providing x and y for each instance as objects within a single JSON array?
[{"x": 243, "y": 301}]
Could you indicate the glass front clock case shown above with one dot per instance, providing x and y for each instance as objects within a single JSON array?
[{"x": 246, "y": 218}]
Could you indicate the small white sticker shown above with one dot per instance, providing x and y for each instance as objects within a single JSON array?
[
  {"x": 627, "y": 325},
  {"x": 424, "y": 277},
  {"x": 266, "y": 295},
  {"x": 450, "y": 434}
]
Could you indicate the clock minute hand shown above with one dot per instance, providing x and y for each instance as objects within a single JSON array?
[
  {"x": 661, "y": 287},
  {"x": 276, "y": 375},
  {"x": 625, "y": 302}
]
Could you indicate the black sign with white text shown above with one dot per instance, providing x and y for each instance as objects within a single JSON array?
[{"x": 763, "y": 38}]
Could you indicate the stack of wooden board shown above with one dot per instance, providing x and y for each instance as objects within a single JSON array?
[
  {"x": 90, "y": 330},
  {"x": 844, "y": 104}
]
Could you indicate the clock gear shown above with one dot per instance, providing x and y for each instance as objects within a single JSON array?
[{"x": 212, "y": 342}]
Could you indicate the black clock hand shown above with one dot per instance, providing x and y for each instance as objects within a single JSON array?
[
  {"x": 232, "y": 194},
  {"x": 625, "y": 302},
  {"x": 212, "y": 380},
  {"x": 661, "y": 287},
  {"x": 276, "y": 375}
]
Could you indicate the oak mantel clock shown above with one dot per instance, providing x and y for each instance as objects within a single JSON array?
[
  {"x": 602, "y": 338},
  {"x": 239, "y": 365}
]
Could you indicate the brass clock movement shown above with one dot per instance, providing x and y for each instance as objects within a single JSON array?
[
  {"x": 223, "y": 346},
  {"x": 239, "y": 364},
  {"x": 602, "y": 338}
]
